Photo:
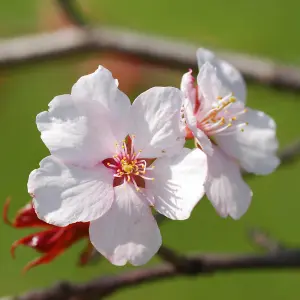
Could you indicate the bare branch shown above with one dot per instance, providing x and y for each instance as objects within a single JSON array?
[
  {"x": 198, "y": 265},
  {"x": 151, "y": 49},
  {"x": 170, "y": 256},
  {"x": 72, "y": 12}
]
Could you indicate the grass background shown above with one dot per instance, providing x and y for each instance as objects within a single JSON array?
[{"x": 266, "y": 27}]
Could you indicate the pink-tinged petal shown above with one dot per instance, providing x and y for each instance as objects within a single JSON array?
[
  {"x": 191, "y": 121},
  {"x": 255, "y": 147},
  {"x": 156, "y": 122},
  {"x": 127, "y": 232},
  {"x": 203, "y": 141},
  {"x": 178, "y": 183},
  {"x": 82, "y": 128},
  {"x": 227, "y": 73},
  {"x": 68, "y": 194},
  {"x": 188, "y": 88},
  {"x": 225, "y": 187}
]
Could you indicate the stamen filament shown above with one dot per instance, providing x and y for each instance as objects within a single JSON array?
[
  {"x": 146, "y": 178},
  {"x": 112, "y": 166},
  {"x": 116, "y": 158},
  {"x": 135, "y": 184}
]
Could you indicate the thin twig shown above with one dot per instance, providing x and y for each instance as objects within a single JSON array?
[
  {"x": 150, "y": 49},
  {"x": 264, "y": 241},
  {"x": 72, "y": 12}
]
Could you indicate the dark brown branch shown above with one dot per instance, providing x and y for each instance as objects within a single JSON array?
[
  {"x": 151, "y": 49},
  {"x": 72, "y": 12},
  {"x": 198, "y": 265},
  {"x": 171, "y": 256}
]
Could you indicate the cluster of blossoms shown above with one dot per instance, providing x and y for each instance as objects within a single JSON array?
[{"x": 112, "y": 162}]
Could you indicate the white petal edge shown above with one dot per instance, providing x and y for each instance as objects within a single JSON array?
[
  {"x": 227, "y": 73},
  {"x": 255, "y": 148},
  {"x": 225, "y": 187},
  {"x": 127, "y": 232},
  {"x": 157, "y": 123},
  {"x": 178, "y": 183},
  {"x": 63, "y": 195},
  {"x": 101, "y": 87}
]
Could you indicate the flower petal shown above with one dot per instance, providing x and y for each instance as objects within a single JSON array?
[
  {"x": 178, "y": 184},
  {"x": 127, "y": 232},
  {"x": 210, "y": 88},
  {"x": 102, "y": 88},
  {"x": 225, "y": 187},
  {"x": 191, "y": 121},
  {"x": 255, "y": 148},
  {"x": 227, "y": 73},
  {"x": 188, "y": 88},
  {"x": 68, "y": 194},
  {"x": 82, "y": 128},
  {"x": 156, "y": 122}
]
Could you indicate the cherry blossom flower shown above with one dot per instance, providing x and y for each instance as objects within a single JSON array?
[
  {"x": 111, "y": 162},
  {"x": 233, "y": 137},
  {"x": 51, "y": 241}
]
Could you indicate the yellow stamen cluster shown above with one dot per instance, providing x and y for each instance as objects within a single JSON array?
[
  {"x": 127, "y": 165},
  {"x": 129, "y": 168}
]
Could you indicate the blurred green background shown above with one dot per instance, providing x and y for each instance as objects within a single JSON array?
[{"x": 265, "y": 27}]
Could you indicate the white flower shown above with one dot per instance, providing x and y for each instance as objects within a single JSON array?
[
  {"x": 232, "y": 136},
  {"x": 101, "y": 166}
]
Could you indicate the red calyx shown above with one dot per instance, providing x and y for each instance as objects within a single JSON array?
[{"x": 51, "y": 241}]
